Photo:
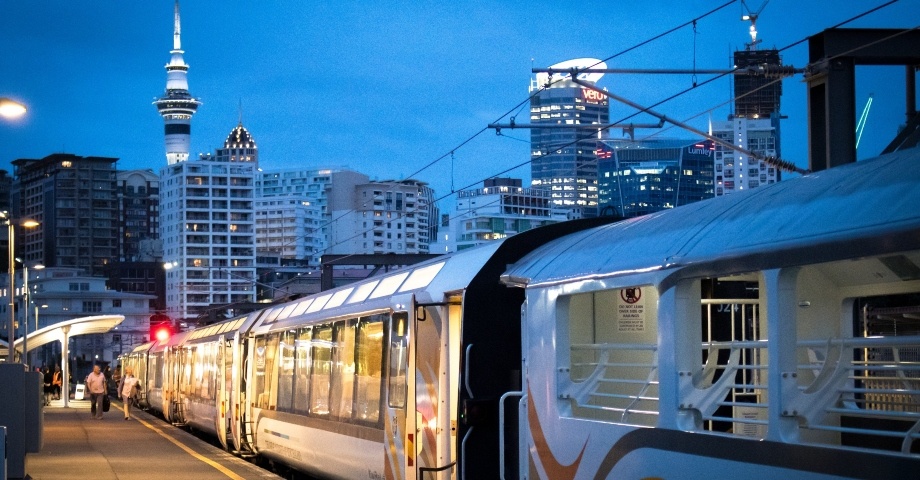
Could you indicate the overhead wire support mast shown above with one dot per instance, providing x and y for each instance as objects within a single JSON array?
[{"x": 777, "y": 162}]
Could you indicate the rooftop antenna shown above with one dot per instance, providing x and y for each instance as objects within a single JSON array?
[
  {"x": 241, "y": 111},
  {"x": 749, "y": 15}
]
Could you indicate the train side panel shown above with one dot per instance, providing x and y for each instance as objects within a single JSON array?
[{"x": 768, "y": 334}]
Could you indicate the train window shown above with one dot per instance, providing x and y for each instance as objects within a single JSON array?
[
  {"x": 301, "y": 307},
  {"x": 343, "y": 370},
  {"x": 286, "y": 371},
  {"x": 186, "y": 360},
  {"x": 266, "y": 381},
  {"x": 399, "y": 350},
  {"x": 612, "y": 354},
  {"x": 286, "y": 313},
  {"x": 362, "y": 291},
  {"x": 338, "y": 298},
  {"x": 369, "y": 368},
  {"x": 157, "y": 370},
  {"x": 303, "y": 361},
  {"x": 322, "y": 367},
  {"x": 273, "y": 315},
  {"x": 318, "y": 303},
  {"x": 421, "y": 277},
  {"x": 389, "y": 285}
]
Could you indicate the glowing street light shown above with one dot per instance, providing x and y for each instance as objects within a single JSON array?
[
  {"x": 11, "y": 109},
  {"x": 27, "y": 298},
  {"x": 11, "y": 232}
]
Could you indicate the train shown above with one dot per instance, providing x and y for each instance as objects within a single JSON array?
[{"x": 774, "y": 332}]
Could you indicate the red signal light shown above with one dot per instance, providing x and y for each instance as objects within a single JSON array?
[
  {"x": 163, "y": 334},
  {"x": 161, "y": 327}
]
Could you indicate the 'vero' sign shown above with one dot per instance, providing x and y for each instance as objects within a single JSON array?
[{"x": 592, "y": 95}]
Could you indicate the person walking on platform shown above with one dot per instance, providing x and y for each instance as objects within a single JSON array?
[
  {"x": 48, "y": 379},
  {"x": 57, "y": 381},
  {"x": 126, "y": 389},
  {"x": 96, "y": 385}
]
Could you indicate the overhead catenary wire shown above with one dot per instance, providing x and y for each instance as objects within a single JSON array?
[
  {"x": 517, "y": 107},
  {"x": 593, "y": 132}
]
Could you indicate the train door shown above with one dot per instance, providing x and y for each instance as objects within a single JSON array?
[
  {"x": 420, "y": 427},
  {"x": 436, "y": 355},
  {"x": 237, "y": 371},
  {"x": 400, "y": 428},
  {"x": 221, "y": 374}
]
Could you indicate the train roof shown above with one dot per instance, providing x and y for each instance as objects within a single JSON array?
[
  {"x": 429, "y": 281},
  {"x": 227, "y": 327},
  {"x": 822, "y": 216},
  {"x": 442, "y": 274}
]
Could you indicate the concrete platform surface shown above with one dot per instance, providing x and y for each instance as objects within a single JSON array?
[{"x": 79, "y": 447}]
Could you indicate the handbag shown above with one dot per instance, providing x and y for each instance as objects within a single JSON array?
[{"x": 106, "y": 403}]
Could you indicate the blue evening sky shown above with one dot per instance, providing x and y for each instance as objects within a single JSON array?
[{"x": 387, "y": 87}]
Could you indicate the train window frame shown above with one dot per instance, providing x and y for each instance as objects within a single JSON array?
[
  {"x": 285, "y": 377},
  {"x": 342, "y": 381},
  {"x": 368, "y": 386},
  {"x": 320, "y": 409},
  {"x": 304, "y": 342},
  {"x": 266, "y": 396},
  {"x": 398, "y": 361},
  {"x": 610, "y": 334}
]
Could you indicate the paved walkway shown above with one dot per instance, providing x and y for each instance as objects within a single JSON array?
[{"x": 144, "y": 448}]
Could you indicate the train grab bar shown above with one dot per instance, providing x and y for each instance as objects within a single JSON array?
[
  {"x": 501, "y": 430},
  {"x": 437, "y": 469}
]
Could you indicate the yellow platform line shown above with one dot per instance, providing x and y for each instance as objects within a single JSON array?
[{"x": 217, "y": 466}]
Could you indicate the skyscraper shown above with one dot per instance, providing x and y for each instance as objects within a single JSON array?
[
  {"x": 207, "y": 224},
  {"x": 637, "y": 177},
  {"x": 74, "y": 199},
  {"x": 563, "y": 161},
  {"x": 754, "y": 125},
  {"x": 177, "y": 106}
]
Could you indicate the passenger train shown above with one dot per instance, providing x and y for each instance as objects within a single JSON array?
[{"x": 762, "y": 334}]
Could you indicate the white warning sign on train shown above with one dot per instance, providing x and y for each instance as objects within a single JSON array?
[{"x": 630, "y": 310}]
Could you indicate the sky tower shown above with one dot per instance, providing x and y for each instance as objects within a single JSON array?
[{"x": 177, "y": 106}]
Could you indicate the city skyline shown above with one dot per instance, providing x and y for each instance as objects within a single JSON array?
[{"x": 384, "y": 90}]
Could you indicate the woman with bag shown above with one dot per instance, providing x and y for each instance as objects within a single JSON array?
[{"x": 126, "y": 389}]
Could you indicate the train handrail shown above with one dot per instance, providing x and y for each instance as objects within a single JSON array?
[
  {"x": 501, "y": 429},
  {"x": 466, "y": 370},
  {"x": 437, "y": 469},
  {"x": 463, "y": 453}
]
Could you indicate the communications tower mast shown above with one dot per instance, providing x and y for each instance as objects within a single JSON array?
[{"x": 177, "y": 106}]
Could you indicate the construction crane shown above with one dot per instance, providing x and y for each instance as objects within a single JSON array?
[
  {"x": 861, "y": 124},
  {"x": 751, "y": 16}
]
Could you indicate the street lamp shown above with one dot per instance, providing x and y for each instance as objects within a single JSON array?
[
  {"x": 44, "y": 356},
  {"x": 11, "y": 232},
  {"x": 27, "y": 298},
  {"x": 11, "y": 109}
]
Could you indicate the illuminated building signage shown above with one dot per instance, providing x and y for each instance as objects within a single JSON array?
[
  {"x": 592, "y": 95},
  {"x": 703, "y": 148}
]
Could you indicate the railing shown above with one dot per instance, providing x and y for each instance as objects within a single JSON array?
[
  {"x": 864, "y": 391},
  {"x": 615, "y": 382}
]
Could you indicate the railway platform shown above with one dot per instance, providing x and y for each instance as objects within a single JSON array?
[{"x": 78, "y": 447}]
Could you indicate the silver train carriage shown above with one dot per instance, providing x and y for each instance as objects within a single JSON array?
[
  {"x": 767, "y": 334},
  {"x": 398, "y": 375}
]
